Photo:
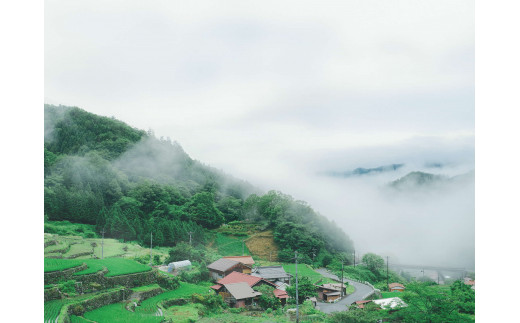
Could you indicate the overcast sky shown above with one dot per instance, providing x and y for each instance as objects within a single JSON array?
[{"x": 276, "y": 92}]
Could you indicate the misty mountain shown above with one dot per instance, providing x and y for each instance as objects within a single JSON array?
[
  {"x": 418, "y": 180},
  {"x": 101, "y": 171},
  {"x": 364, "y": 171}
]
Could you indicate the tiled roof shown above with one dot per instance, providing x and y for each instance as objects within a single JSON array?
[
  {"x": 394, "y": 285},
  {"x": 241, "y": 290},
  {"x": 336, "y": 287},
  {"x": 216, "y": 287},
  {"x": 271, "y": 272},
  {"x": 222, "y": 264},
  {"x": 236, "y": 277},
  {"x": 246, "y": 260},
  {"x": 280, "y": 293}
]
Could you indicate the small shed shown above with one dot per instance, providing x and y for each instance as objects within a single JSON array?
[
  {"x": 396, "y": 287},
  {"x": 331, "y": 292},
  {"x": 179, "y": 265}
]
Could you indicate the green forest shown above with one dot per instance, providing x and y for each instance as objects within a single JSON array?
[{"x": 128, "y": 183}]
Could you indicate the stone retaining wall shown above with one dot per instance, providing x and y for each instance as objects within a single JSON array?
[
  {"x": 86, "y": 253},
  {"x": 50, "y": 243},
  {"x": 50, "y": 294},
  {"x": 55, "y": 276},
  {"x": 141, "y": 296}
]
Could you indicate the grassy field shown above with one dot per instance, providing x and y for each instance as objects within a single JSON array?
[
  {"x": 305, "y": 270},
  {"x": 50, "y": 264},
  {"x": 117, "y": 313},
  {"x": 390, "y": 294},
  {"x": 230, "y": 245},
  {"x": 245, "y": 317},
  {"x": 184, "y": 314}
]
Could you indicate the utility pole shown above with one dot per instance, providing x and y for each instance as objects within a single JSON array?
[
  {"x": 313, "y": 254},
  {"x": 190, "y": 236},
  {"x": 102, "y": 240},
  {"x": 341, "y": 286},
  {"x": 150, "y": 248},
  {"x": 296, "y": 271},
  {"x": 270, "y": 252},
  {"x": 243, "y": 246},
  {"x": 354, "y": 258},
  {"x": 387, "y": 273}
]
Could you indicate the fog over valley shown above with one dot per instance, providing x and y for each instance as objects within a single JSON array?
[{"x": 334, "y": 104}]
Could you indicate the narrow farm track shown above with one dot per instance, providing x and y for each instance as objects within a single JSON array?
[{"x": 359, "y": 294}]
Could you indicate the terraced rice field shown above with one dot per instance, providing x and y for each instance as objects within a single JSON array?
[
  {"x": 51, "y": 309},
  {"x": 111, "y": 247},
  {"x": 50, "y": 264},
  {"x": 148, "y": 311},
  {"x": 230, "y": 246},
  {"x": 145, "y": 288},
  {"x": 185, "y": 290},
  {"x": 115, "y": 266},
  {"x": 117, "y": 313}
]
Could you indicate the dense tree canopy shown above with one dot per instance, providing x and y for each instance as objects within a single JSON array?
[{"x": 101, "y": 171}]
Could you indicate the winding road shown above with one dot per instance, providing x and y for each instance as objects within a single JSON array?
[{"x": 359, "y": 294}]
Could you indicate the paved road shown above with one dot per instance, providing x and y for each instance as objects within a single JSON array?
[{"x": 361, "y": 291}]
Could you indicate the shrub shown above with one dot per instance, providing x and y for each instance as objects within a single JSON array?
[{"x": 77, "y": 309}]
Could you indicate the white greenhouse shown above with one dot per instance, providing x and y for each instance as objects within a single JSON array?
[{"x": 179, "y": 265}]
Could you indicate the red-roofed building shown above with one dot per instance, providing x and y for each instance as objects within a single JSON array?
[
  {"x": 281, "y": 295},
  {"x": 236, "y": 277},
  {"x": 361, "y": 304}
]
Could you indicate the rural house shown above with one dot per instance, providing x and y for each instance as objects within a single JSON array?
[
  {"x": 272, "y": 274},
  {"x": 331, "y": 292},
  {"x": 238, "y": 294},
  {"x": 251, "y": 281},
  {"x": 396, "y": 287},
  {"x": 223, "y": 267},
  {"x": 245, "y": 260}
]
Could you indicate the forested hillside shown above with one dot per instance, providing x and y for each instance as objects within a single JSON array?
[{"x": 100, "y": 171}]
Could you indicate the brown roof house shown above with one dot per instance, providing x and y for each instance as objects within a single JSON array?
[
  {"x": 239, "y": 294},
  {"x": 251, "y": 281},
  {"x": 331, "y": 292},
  {"x": 223, "y": 267},
  {"x": 396, "y": 287},
  {"x": 245, "y": 260}
]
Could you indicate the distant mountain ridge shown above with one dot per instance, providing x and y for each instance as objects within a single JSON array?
[
  {"x": 364, "y": 171},
  {"x": 422, "y": 180}
]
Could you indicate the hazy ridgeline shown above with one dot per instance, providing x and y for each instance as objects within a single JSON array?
[{"x": 101, "y": 171}]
